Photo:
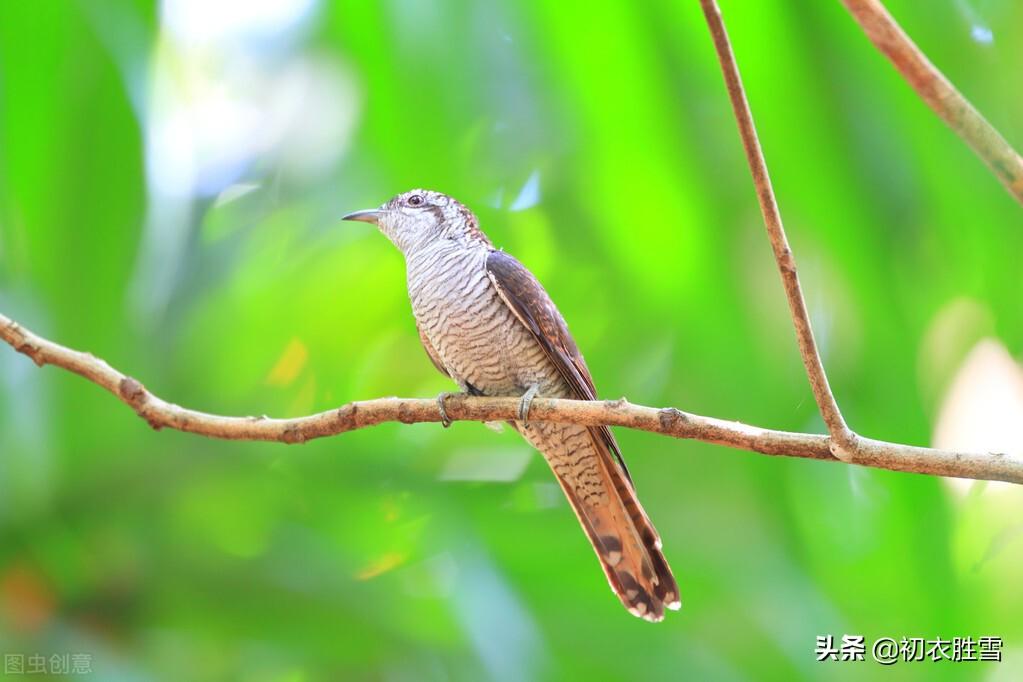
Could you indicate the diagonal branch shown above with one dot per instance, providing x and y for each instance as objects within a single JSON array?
[
  {"x": 843, "y": 439},
  {"x": 356, "y": 415},
  {"x": 939, "y": 94}
]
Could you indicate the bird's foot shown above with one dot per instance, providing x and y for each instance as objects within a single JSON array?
[
  {"x": 527, "y": 400},
  {"x": 444, "y": 419}
]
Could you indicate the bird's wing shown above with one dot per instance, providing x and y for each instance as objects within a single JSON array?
[
  {"x": 587, "y": 461},
  {"x": 527, "y": 298},
  {"x": 431, "y": 351}
]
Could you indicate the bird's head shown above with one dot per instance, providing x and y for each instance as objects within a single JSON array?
[{"x": 419, "y": 217}]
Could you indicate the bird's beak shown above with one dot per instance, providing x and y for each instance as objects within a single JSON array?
[{"x": 368, "y": 216}]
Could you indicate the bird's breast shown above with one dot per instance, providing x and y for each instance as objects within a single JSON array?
[{"x": 476, "y": 335}]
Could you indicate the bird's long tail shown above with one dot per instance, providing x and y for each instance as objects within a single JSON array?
[{"x": 605, "y": 502}]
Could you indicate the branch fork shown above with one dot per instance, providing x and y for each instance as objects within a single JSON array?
[{"x": 934, "y": 88}]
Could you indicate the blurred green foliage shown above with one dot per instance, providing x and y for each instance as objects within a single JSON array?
[{"x": 170, "y": 183}]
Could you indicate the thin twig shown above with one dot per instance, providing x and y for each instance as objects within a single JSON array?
[
  {"x": 843, "y": 439},
  {"x": 356, "y": 415},
  {"x": 939, "y": 94}
]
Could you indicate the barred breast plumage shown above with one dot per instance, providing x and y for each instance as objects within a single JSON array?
[
  {"x": 479, "y": 340},
  {"x": 488, "y": 351}
]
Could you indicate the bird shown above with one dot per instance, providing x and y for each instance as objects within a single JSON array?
[{"x": 487, "y": 323}]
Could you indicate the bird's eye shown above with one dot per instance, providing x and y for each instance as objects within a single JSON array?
[{"x": 415, "y": 200}]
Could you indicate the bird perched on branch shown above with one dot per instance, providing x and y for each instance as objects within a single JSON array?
[{"x": 486, "y": 322}]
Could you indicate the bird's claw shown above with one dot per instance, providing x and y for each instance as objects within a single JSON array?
[
  {"x": 444, "y": 419},
  {"x": 527, "y": 400}
]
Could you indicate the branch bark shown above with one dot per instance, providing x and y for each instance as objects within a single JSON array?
[
  {"x": 843, "y": 440},
  {"x": 939, "y": 94},
  {"x": 356, "y": 415}
]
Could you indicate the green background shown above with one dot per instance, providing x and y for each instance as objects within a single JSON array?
[{"x": 226, "y": 283}]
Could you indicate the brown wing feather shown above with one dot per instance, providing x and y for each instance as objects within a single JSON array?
[
  {"x": 633, "y": 561},
  {"x": 527, "y": 298}
]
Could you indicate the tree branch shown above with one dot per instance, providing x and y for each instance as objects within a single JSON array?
[
  {"x": 939, "y": 94},
  {"x": 843, "y": 440},
  {"x": 356, "y": 415}
]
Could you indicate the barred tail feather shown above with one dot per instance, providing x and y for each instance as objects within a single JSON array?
[{"x": 606, "y": 505}]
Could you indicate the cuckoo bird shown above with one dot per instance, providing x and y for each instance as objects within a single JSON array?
[{"x": 488, "y": 324}]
